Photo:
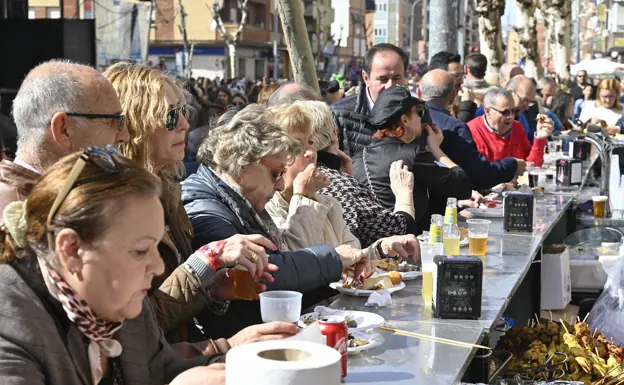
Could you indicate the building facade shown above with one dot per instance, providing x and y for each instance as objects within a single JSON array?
[{"x": 210, "y": 57}]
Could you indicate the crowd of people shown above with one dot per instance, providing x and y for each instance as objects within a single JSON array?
[{"x": 131, "y": 197}]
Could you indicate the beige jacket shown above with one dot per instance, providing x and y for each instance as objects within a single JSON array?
[{"x": 307, "y": 223}]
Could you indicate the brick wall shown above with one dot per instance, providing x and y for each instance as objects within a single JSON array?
[{"x": 165, "y": 19}]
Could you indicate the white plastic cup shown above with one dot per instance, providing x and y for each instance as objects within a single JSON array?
[{"x": 280, "y": 305}]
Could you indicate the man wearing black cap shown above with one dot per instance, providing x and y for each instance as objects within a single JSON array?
[
  {"x": 385, "y": 66},
  {"x": 436, "y": 88}
]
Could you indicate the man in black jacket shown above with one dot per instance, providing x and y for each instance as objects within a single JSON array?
[
  {"x": 436, "y": 88},
  {"x": 451, "y": 63},
  {"x": 385, "y": 66}
]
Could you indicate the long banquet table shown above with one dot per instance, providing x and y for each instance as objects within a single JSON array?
[{"x": 509, "y": 257}]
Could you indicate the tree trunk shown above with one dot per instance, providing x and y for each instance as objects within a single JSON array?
[
  {"x": 559, "y": 13},
  {"x": 443, "y": 26},
  {"x": 490, "y": 32},
  {"x": 233, "y": 61},
  {"x": 562, "y": 41},
  {"x": 527, "y": 35},
  {"x": 298, "y": 43}
]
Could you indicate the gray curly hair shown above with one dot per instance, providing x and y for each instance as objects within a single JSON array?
[{"x": 243, "y": 139}]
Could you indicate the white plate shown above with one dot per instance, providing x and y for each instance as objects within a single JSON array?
[
  {"x": 361, "y": 293},
  {"x": 409, "y": 275},
  {"x": 373, "y": 340},
  {"x": 405, "y": 275},
  {"x": 486, "y": 213},
  {"x": 364, "y": 319},
  {"x": 464, "y": 242}
]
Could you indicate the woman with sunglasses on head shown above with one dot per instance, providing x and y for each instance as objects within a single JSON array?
[
  {"x": 243, "y": 161},
  {"x": 498, "y": 135},
  {"x": 307, "y": 217},
  {"x": 193, "y": 281},
  {"x": 76, "y": 264},
  {"x": 401, "y": 136}
]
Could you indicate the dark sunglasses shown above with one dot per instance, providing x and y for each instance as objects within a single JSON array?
[
  {"x": 277, "y": 172},
  {"x": 507, "y": 113},
  {"x": 121, "y": 119},
  {"x": 173, "y": 117},
  {"x": 104, "y": 158}
]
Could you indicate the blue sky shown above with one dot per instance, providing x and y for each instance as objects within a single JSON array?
[{"x": 510, "y": 15}]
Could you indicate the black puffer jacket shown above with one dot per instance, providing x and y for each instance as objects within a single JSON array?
[
  {"x": 352, "y": 115},
  {"x": 218, "y": 212},
  {"x": 431, "y": 178}
]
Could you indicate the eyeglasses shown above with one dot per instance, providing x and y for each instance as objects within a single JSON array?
[
  {"x": 277, "y": 172},
  {"x": 173, "y": 116},
  {"x": 121, "y": 119},
  {"x": 101, "y": 157},
  {"x": 522, "y": 100},
  {"x": 457, "y": 75},
  {"x": 506, "y": 113}
]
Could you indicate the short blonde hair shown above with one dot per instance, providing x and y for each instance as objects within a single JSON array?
[
  {"x": 243, "y": 138},
  {"x": 292, "y": 118},
  {"x": 141, "y": 91},
  {"x": 323, "y": 124}
]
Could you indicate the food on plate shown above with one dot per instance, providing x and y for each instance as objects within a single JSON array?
[
  {"x": 387, "y": 264},
  {"x": 378, "y": 283},
  {"x": 351, "y": 323},
  {"x": 356, "y": 342},
  {"x": 395, "y": 277}
]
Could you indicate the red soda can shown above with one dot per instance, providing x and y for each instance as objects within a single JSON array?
[{"x": 336, "y": 336}]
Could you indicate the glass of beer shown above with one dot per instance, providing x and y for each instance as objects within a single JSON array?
[
  {"x": 600, "y": 206},
  {"x": 244, "y": 284},
  {"x": 478, "y": 230}
]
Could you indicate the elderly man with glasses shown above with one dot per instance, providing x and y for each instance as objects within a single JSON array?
[
  {"x": 61, "y": 107},
  {"x": 498, "y": 135}
]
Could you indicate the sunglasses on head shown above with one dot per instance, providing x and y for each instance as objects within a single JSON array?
[
  {"x": 421, "y": 110},
  {"x": 173, "y": 117},
  {"x": 277, "y": 172},
  {"x": 121, "y": 119},
  {"x": 104, "y": 158}
]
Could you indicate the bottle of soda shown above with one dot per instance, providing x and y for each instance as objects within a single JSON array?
[
  {"x": 435, "y": 229},
  {"x": 451, "y": 234}
]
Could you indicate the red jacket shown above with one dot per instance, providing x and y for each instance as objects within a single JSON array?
[{"x": 515, "y": 144}]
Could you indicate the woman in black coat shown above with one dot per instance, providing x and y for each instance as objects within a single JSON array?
[{"x": 401, "y": 136}]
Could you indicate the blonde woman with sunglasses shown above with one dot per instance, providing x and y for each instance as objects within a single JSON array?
[{"x": 194, "y": 281}]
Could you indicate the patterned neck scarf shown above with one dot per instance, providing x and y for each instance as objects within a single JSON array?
[{"x": 99, "y": 332}]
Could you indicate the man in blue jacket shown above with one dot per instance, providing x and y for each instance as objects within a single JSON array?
[{"x": 436, "y": 88}]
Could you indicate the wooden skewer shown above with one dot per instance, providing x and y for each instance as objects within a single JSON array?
[
  {"x": 435, "y": 339},
  {"x": 529, "y": 323},
  {"x": 564, "y": 327},
  {"x": 578, "y": 318},
  {"x": 550, "y": 312},
  {"x": 595, "y": 331},
  {"x": 536, "y": 318},
  {"x": 586, "y": 315}
]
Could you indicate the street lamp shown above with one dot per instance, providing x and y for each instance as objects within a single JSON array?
[{"x": 411, "y": 43}]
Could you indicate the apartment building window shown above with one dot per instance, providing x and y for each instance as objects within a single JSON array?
[
  {"x": 31, "y": 13},
  {"x": 53, "y": 13}
]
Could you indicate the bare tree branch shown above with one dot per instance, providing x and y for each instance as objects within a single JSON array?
[
  {"x": 217, "y": 6},
  {"x": 242, "y": 5}
]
